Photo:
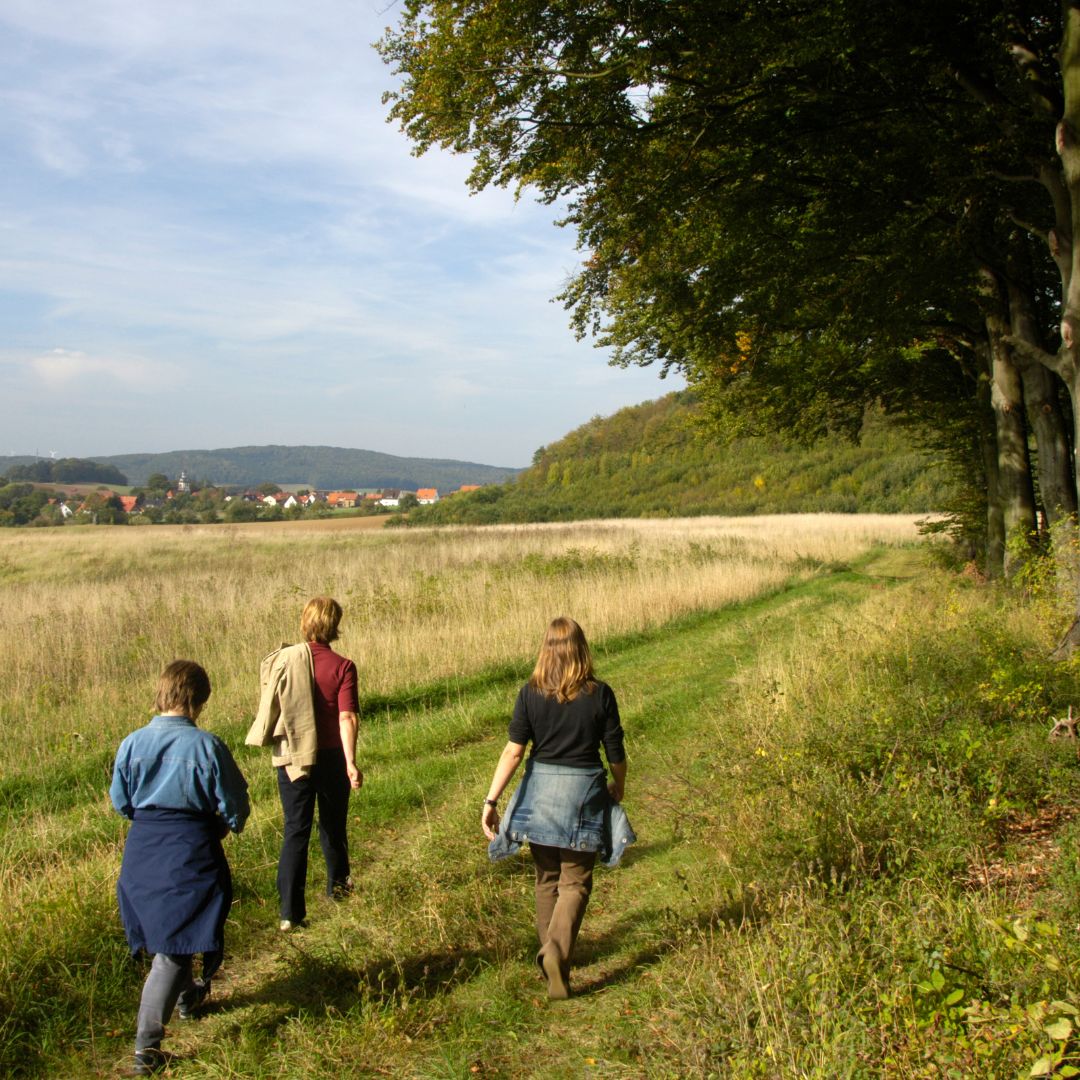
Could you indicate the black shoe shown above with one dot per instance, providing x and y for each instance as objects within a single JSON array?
[
  {"x": 148, "y": 1062},
  {"x": 190, "y": 1004},
  {"x": 341, "y": 890}
]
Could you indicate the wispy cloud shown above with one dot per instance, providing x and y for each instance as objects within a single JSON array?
[
  {"x": 208, "y": 194},
  {"x": 61, "y": 368}
]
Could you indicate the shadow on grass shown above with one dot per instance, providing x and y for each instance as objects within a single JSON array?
[
  {"x": 664, "y": 931},
  {"x": 317, "y": 985}
]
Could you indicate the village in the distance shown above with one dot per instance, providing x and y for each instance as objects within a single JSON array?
[{"x": 183, "y": 501}]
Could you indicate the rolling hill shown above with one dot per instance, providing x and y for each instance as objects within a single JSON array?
[
  {"x": 650, "y": 460},
  {"x": 312, "y": 466}
]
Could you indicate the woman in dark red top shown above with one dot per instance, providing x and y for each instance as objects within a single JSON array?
[{"x": 333, "y": 776}]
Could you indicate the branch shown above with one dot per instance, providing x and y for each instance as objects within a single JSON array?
[
  {"x": 1042, "y": 234},
  {"x": 1027, "y": 353},
  {"x": 1014, "y": 178}
]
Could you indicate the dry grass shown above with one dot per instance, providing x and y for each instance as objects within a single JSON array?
[{"x": 89, "y": 616}]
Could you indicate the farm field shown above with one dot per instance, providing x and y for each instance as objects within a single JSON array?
[{"x": 856, "y": 853}]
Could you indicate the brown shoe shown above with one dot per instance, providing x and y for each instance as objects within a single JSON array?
[{"x": 558, "y": 988}]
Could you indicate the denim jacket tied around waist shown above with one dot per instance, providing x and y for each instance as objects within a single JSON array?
[{"x": 566, "y": 807}]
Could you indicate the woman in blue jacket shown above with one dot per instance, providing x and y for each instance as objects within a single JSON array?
[
  {"x": 183, "y": 793},
  {"x": 564, "y": 807}
]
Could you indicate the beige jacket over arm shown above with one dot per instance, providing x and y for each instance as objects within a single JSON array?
[{"x": 286, "y": 716}]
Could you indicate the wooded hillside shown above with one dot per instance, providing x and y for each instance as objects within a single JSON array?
[
  {"x": 313, "y": 466},
  {"x": 650, "y": 460}
]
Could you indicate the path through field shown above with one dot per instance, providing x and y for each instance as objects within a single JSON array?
[{"x": 428, "y": 970}]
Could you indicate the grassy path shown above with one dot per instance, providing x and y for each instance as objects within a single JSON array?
[{"x": 427, "y": 971}]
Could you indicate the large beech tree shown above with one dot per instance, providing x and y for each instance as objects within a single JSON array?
[{"x": 803, "y": 207}]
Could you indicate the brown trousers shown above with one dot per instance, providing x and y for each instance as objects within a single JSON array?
[{"x": 563, "y": 884}]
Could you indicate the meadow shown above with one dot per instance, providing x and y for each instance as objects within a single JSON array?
[{"x": 851, "y": 820}]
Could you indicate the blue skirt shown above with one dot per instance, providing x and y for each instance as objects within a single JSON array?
[{"x": 175, "y": 888}]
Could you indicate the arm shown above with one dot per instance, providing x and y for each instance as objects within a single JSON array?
[
  {"x": 232, "y": 795},
  {"x": 613, "y": 745},
  {"x": 617, "y": 785},
  {"x": 509, "y": 760},
  {"x": 118, "y": 790},
  {"x": 347, "y": 725}
]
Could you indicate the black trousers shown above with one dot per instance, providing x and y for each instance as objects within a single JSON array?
[{"x": 327, "y": 787}]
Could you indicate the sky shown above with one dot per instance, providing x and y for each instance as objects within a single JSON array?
[{"x": 210, "y": 237}]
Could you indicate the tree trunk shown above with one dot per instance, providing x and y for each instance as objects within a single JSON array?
[
  {"x": 1057, "y": 481},
  {"x": 1016, "y": 493},
  {"x": 1057, "y": 485},
  {"x": 994, "y": 564}
]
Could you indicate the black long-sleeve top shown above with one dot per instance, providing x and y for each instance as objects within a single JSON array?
[{"x": 569, "y": 733}]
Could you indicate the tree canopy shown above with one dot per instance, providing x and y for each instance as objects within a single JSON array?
[
  {"x": 66, "y": 471},
  {"x": 804, "y": 208}
]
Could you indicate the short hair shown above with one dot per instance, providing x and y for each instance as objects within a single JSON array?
[
  {"x": 320, "y": 619},
  {"x": 183, "y": 687},
  {"x": 564, "y": 666}
]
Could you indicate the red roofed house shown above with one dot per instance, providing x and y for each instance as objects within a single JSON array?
[
  {"x": 468, "y": 487},
  {"x": 341, "y": 499},
  {"x": 427, "y": 496},
  {"x": 130, "y": 504}
]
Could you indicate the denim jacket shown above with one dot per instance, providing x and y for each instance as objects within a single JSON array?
[
  {"x": 173, "y": 765},
  {"x": 566, "y": 807}
]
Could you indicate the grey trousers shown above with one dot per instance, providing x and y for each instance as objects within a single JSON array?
[
  {"x": 563, "y": 885},
  {"x": 170, "y": 980}
]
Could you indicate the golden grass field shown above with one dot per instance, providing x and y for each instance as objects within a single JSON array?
[
  {"x": 423, "y": 976},
  {"x": 89, "y": 616}
]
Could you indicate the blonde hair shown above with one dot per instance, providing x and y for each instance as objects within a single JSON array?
[
  {"x": 183, "y": 687},
  {"x": 564, "y": 666},
  {"x": 320, "y": 619}
]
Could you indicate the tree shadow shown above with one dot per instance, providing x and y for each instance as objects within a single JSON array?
[
  {"x": 321, "y": 985},
  {"x": 664, "y": 929}
]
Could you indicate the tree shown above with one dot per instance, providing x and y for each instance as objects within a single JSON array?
[
  {"x": 805, "y": 208},
  {"x": 158, "y": 482},
  {"x": 237, "y": 510}
]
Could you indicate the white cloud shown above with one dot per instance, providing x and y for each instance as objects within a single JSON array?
[
  {"x": 60, "y": 368},
  {"x": 207, "y": 193}
]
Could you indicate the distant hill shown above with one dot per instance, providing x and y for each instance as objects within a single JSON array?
[
  {"x": 311, "y": 466},
  {"x": 650, "y": 460}
]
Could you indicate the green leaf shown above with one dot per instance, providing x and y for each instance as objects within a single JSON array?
[
  {"x": 1043, "y": 1067},
  {"x": 1068, "y": 1070},
  {"x": 1059, "y": 1030},
  {"x": 937, "y": 980},
  {"x": 1063, "y": 1007},
  {"x": 954, "y": 997}
]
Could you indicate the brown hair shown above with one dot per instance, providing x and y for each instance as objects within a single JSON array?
[
  {"x": 564, "y": 666},
  {"x": 183, "y": 687},
  {"x": 320, "y": 619}
]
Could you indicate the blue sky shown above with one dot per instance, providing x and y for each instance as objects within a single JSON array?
[{"x": 209, "y": 236}]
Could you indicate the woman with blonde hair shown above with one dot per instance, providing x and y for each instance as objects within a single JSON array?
[
  {"x": 309, "y": 713},
  {"x": 564, "y": 807}
]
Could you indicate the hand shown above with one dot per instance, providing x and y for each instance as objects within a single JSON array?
[
  {"x": 356, "y": 777},
  {"x": 615, "y": 790},
  {"x": 489, "y": 820}
]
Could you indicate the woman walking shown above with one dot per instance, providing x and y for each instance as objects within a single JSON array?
[
  {"x": 183, "y": 793},
  {"x": 564, "y": 807},
  {"x": 308, "y": 712}
]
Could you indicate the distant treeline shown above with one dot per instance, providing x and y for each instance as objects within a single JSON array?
[
  {"x": 318, "y": 467},
  {"x": 65, "y": 471},
  {"x": 651, "y": 460}
]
